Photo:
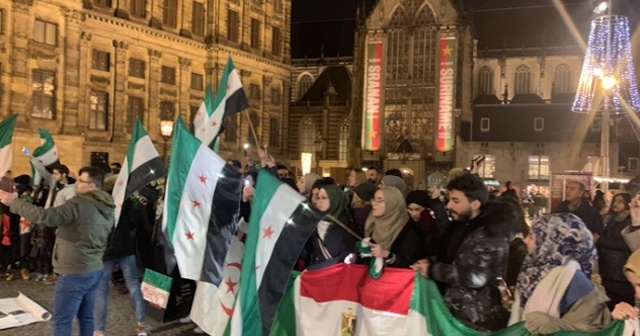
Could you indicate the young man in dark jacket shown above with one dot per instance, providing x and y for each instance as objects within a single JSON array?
[{"x": 83, "y": 223}]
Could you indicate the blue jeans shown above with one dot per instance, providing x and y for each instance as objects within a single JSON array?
[
  {"x": 130, "y": 273},
  {"x": 74, "y": 296}
]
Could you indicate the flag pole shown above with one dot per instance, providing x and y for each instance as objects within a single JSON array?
[
  {"x": 253, "y": 131},
  {"x": 344, "y": 226}
]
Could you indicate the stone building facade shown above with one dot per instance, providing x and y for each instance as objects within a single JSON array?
[{"x": 86, "y": 70}]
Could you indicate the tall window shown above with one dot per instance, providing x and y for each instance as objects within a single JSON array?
[
  {"x": 343, "y": 140},
  {"x": 170, "y": 14},
  {"x": 139, "y": 8},
  {"x": 98, "y": 110},
  {"x": 522, "y": 82},
  {"x": 230, "y": 129},
  {"x": 255, "y": 33},
  {"x": 307, "y": 135},
  {"x": 232, "y": 25},
  {"x": 193, "y": 110},
  {"x": 167, "y": 110},
  {"x": 275, "y": 97},
  {"x": 43, "y": 94},
  {"x": 274, "y": 132},
  {"x": 304, "y": 83},
  {"x": 135, "y": 109},
  {"x": 275, "y": 41},
  {"x": 424, "y": 43},
  {"x": 197, "y": 24},
  {"x": 2, "y": 19},
  {"x": 539, "y": 167},
  {"x": 254, "y": 91},
  {"x": 168, "y": 75},
  {"x": 136, "y": 68},
  {"x": 488, "y": 167},
  {"x": 196, "y": 81},
  {"x": 562, "y": 79},
  {"x": 399, "y": 42},
  {"x": 485, "y": 81},
  {"x": 255, "y": 121},
  {"x": 100, "y": 60},
  {"x": 45, "y": 32}
]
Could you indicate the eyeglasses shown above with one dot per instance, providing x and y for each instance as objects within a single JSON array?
[{"x": 87, "y": 182}]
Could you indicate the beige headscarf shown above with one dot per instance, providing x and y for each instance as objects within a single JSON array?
[
  {"x": 309, "y": 180},
  {"x": 385, "y": 229}
]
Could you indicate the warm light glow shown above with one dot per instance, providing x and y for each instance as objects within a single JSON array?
[
  {"x": 166, "y": 127},
  {"x": 246, "y": 146},
  {"x": 608, "y": 82},
  {"x": 602, "y": 7},
  {"x": 305, "y": 159}
]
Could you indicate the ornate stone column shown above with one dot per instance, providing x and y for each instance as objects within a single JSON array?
[
  {"x": 84, "y": 66},
  {"x": 69, "y": 113},
  {"x": 152, "y": 116},
  {"x": 19, "y": 86},
  {"x": 184, "y": 85},
  {"x": 119, "y": 90}
]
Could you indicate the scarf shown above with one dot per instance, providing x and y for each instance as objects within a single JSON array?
[
  {"x": 309, "y": 180},
  {"x": 385, "y": 229},
  {"x": 559, "y": 238}
]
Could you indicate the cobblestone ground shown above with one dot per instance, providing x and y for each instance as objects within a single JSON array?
[{"x": 121, "y": 320}]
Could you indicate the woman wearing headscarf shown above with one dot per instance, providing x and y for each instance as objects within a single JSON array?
[
  {"x": 330, "y": 243},
  {"x": 554, "y": 291},
  {"x": 393, "y": 181},
  {"x": 306, "y": 182},
  {"x": 396, "y": 239},
  {"x": 613, "y": 252}
]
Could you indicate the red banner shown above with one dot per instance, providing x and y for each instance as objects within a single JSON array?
[
  {"x": 372, "y": 96},
  {"x": 446, "y": 93}
]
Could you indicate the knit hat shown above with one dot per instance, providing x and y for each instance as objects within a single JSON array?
[
  {"x": 633, "y": 263},
  {"x": 365, "y": 191},
  {"x": 394, "y": 181},
  {"x": 419, "y": 197}
]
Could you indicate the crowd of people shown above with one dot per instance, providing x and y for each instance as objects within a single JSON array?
[{"x": 493, "y": 269}]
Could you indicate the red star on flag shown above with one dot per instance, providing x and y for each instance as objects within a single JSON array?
[
  {"x": 190, "y": 235},
  {"x": 214, "y": 124},
  {"x": 121, "y": 183},
  {"x": 203, "y": 179},
  {"x": 268, "y": 232},
  {"x": 195, "y": 204},
  {"x": 202, "y": 130},
  {"x": 230, "y": 285},
  {"x": 55, "y": 153}
]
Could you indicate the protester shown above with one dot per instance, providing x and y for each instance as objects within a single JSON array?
[
  {"x": 306, "y": 182},
  {"x": 356, "y": 177},
  {"x": 624, "y": 310},
  {"x": 613, "y": 252},
  {"x": 373, "y": 175},
  {"x": 631, "y": 233},
  {"x": 396, "y": 238},
  {"x": 361, "y": 204},
  {"x": 83, "y": 223},
  {"x": 472, "y": 254},
  {"x": 554, "y": 291},
  {"x": 575, "y": 203},
  {"x": 517, "y": 248},
  {"x": 420, "y": 215},
  {"x": 393, "y": 181}
]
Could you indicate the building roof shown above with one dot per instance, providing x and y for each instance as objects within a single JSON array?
[{"x": 337, "y": 76}]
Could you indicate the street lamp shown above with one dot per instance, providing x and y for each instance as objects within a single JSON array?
[
  {"x": 319, "y": 143},
  {"x": 166, "y": 128}
]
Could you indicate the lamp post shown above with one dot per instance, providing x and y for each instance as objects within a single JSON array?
[
  {"x": 166, "y": 128},
  {"x": 319, "y": 143}
]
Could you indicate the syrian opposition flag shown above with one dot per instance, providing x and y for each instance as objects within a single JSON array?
[
  {"x": 213, "y": 305},
  {"x": 229, "y": 100},
  {"x": 280, "y": 225},
  {"x": 344, "y": 300},
  {"x": 201, "y": 206},
  {"x": 6, "y": 134},
  {"x": 46, "y": 154},
  {"x": 141, "y": 166}
]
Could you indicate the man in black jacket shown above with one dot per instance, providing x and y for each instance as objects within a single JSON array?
[{"x": 579, "y": 206}]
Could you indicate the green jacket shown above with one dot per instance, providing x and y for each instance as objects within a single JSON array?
[{"x": 84, "y": 223}]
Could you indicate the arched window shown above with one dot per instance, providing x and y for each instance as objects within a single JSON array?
[
  {"x": 304, "y": 83},
  {"x": 343, "y": 141},
  {"x": 522, "y": 81},
  {"x": 307, "y": 135},
  {"x": 485, "y": 81},
  {"x": 398, "y": 48},
  {"x": 562, "y": 79},
  {"x": 424, "y": 43}
]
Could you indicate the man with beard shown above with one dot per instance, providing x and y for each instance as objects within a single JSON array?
[{"x": 472, "y": 254}]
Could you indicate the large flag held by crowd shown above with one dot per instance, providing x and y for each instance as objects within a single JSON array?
[
  {"x": 6, "y": 136},
  {"x": 141, "y": 166},
  {"x": 46, "y": 157},
  {"x": 229, "y": 100},
  {"x": 201, "y": 206}
]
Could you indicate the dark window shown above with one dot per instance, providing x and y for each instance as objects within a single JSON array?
[
  {"x": 168, "y": 75},
  {"x": 277, "y": 6},
  {"x": 254, "y": 91},
  {"x": 196, "y": 81},
  {"x": 99, "y": 159},
  {"x": 232, "y": 25},
  {"x": 139, "y": 8},
  {"x": 255, "y": 121},
  {"x": 98, "y": 110},
  {"x": 135, "y": 110},
  {"x": 1, "y": 21},
  {"x": 485, "y": 124},
  {"x": 105, "y": 3},
  {"x": 255, "y": 33},
  {"x": 43, "y": 98},
  {"x": 275, "y": 96},
  {"x": 538, "y": 124},
  {"x": 275, "y": 41},
  {"x": 230, "y": 129},
  {"x": 136, "y": 68},
  {"x": 170, "y": 14},
  {"x": 100, "y": 60},
  {"x": 274, "y": 132},
  {"x": 167, "y": 110},
  {"x": 45, "y": 32},
  {"x": 197, "y": 26},
  {"x": 193, "y": 109}
]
